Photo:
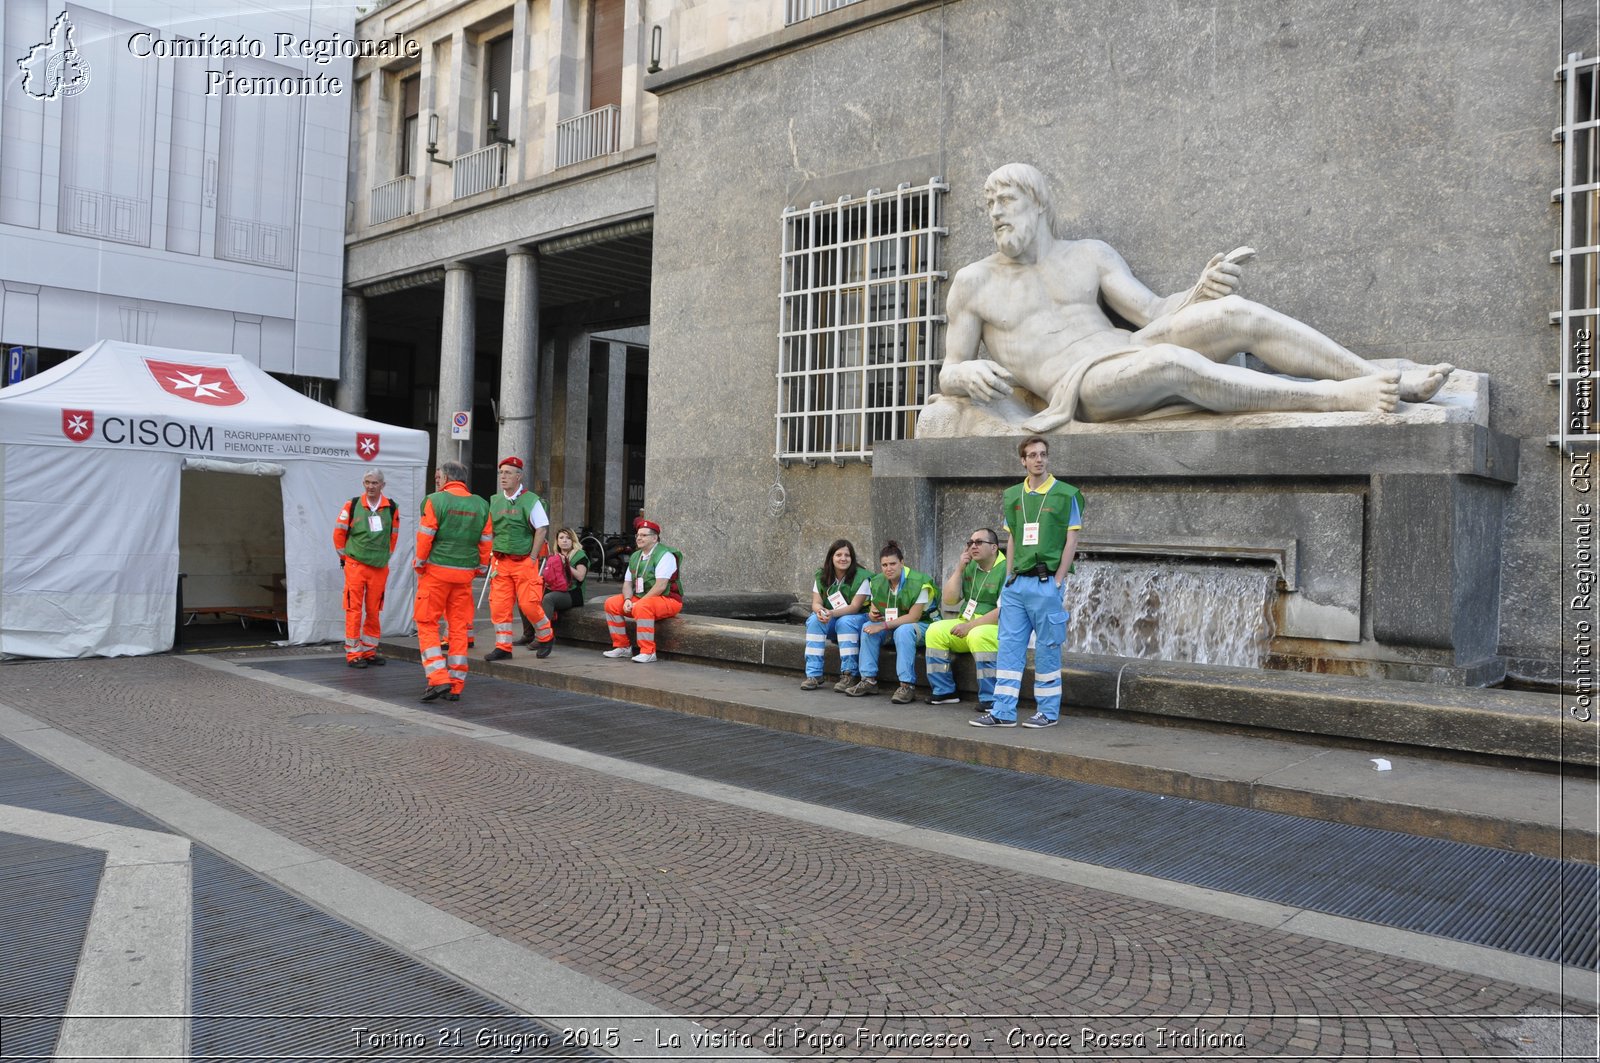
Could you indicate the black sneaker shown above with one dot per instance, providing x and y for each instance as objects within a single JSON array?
[
  {"x": 545, "y": 649},
  {"x": 989, "y": 719},
  {"x": 945, "y": 699},
  {"x": 434, "y": 693},
  {"x": 357, "y": 663},
  {"x": 452, "y": 696},
  {"x": 497, "y": 654},
  {"x": 376, "y": 661}
]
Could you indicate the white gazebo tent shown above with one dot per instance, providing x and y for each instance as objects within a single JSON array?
[{"x": 125, "y": 459}]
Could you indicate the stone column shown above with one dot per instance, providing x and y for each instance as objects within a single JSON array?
[
  {"x": 543, "y": 424},
  {"x": 518, "y": 356},
  {"x": 516, "y": 109},
  {"x": 352, "y": 395},
  {"x": 635, "y": 56},
  {"x": 574, "y": 499},
  {"x": 457, "y": 351},
  {"x": 616, "y": 408},
  {"x": 562, "y": 53}
]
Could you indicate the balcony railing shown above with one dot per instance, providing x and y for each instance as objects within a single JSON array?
[
  {"x": 480, "y": 170},
  {"x": 393, "y": 199},
  {"x": 588, "y": 136}
]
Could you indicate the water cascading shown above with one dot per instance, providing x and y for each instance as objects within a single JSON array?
[{"x": 1203, "y": 612}]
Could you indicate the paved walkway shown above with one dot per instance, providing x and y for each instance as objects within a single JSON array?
[{"x": 567, "y": 884}]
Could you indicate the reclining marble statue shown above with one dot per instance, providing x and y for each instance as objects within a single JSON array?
[{"x": 1034, "y": 305}]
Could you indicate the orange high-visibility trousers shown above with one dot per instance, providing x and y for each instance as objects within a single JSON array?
[
  {"x": 444, "y": 592},
  {"x": 363, "y": 604},
  {"x": 646, "y": 611},
  {"x": 517, "y": 582}
]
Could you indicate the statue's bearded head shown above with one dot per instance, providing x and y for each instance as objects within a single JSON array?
[{"x": 1018, "y": 200}]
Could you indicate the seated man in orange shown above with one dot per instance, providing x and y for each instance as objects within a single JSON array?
[
  {"x": 650, "y": 592},
  {"x": 453, "y": 541}
]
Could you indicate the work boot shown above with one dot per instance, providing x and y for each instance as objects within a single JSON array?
[
  {"x": 545, "y": 649},
  {"x": 433, "y": 693},
  {"x": 497, "y": 654},
  {"x": 357, "y": 663}
]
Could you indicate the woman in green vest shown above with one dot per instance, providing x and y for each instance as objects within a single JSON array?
[
  {"x": 903, "y": 604},
  {"x": 571, "y": 565}
]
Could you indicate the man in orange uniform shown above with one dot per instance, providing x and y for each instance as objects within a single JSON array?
[
  {"x": 651, "y": 591},
  {"x": 452, "y": 547},
  {"x": 365, "y": 534},
  {"x": 520, "y": 527}
]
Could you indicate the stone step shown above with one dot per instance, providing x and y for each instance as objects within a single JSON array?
[{"x": 1466, "y": 720}]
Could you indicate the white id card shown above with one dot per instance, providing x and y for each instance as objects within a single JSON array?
[
  {"x": 890, "y": 612},
  {"x": 638, "y": 585},
  {"x": 971, "y": 610},
  {"x": 374, "y": 522},
  {"x": 837, "y": 600},
  {"x": 1030, "y": 534}
]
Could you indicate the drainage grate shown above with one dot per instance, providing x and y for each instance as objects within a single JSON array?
[
  {"x": 48, "y": 890},
  {"x": 1529, "y": 905}
]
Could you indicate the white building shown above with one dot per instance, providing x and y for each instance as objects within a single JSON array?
[{"x": 174, "y": 173}]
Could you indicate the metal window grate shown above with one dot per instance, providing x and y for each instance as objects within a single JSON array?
[
  {"x": 859, "y": 321},
  {"x": 800, "y": 10},
  {"x": 1579, "y": 195}
]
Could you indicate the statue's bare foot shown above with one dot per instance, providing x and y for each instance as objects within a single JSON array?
[
  {"x": 1378, "y": 393},
  {"x": 1420, "y": 385}
]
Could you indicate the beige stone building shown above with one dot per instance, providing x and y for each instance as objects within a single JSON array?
[{"x": 500, "y": 230}]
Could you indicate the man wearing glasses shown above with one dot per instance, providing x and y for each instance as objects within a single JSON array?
[
  {"x": 364, "y": 535},
  {"x": 972, "y": 597},
  {"x": 1043, "y": 517}
]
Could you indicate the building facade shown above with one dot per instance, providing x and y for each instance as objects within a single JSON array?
[
  {"x": 1394, "y": 167},
  {"x": 501, "y": 233}
]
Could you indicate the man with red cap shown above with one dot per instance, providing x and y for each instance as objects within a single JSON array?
[
  {"x": 520, "y": 527},
  {"x": 650, "y": 592},
  {"x": 453, "y": 539},
  {"x": 365, "y": 534}
]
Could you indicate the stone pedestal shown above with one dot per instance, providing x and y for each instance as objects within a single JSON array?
[{"x": 1385, "y": 538}]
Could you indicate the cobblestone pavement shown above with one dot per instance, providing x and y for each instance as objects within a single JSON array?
[{"x": 754, "y": 921}]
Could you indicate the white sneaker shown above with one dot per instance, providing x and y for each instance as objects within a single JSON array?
[
  {"x": 644, "y": 658},
  {"x": 618, "y": 652}
]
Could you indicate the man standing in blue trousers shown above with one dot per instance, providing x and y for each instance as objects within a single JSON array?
[{"x": 1043, "y": 517}]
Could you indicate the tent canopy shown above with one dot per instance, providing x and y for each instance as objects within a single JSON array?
[{"x": 92, "y": 455}]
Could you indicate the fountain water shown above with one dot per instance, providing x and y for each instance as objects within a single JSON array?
[{"x": 1203, "y": 612}]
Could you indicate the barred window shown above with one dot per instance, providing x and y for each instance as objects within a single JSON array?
[
  {"x": 859, "y": 321},
  {"x": 1579, "y": 317},
  {"x": 800, "y": 10}
]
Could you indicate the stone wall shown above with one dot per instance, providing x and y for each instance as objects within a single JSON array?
[{"x": 1391, "y": 163}]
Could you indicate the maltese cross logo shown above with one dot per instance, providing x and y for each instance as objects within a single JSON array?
[
  {"x": 366, "y": 446},
  {"x": 77, "y": 425},
  {"x": 54, "y": 68},
  {"x": 209, "y": 385}
]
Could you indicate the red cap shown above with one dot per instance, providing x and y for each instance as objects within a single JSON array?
[
  {"x": 652, "y": 525},
  {"x": 513, "y": 461}
]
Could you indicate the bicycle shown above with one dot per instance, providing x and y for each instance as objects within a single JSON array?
[{"x": 595, "y": 550}]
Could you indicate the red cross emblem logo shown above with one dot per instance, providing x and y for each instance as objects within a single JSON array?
[
  {"x": 366, "y": 446},
  {"x": 208, "y": 385},
  {"x": 77, "y": 425}
]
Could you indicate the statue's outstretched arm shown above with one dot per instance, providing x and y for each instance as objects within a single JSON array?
[{"x": 964, "y": 373}]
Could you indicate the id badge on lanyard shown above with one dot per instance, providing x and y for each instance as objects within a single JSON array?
[
  {"x": 971, "y": 610},
  {"x": 1030, "y": 534},
  {"x": 837, "y": 600},
  {"x": 890, "y": 612},
  {"x": 374, "y": 522}
]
